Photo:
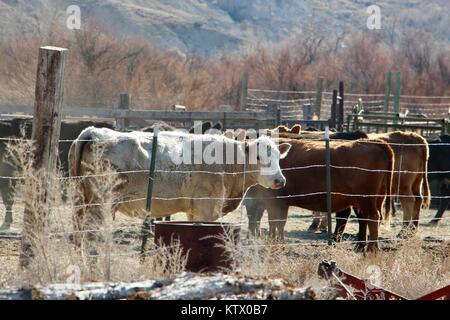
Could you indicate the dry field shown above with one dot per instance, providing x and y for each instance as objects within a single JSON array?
[{"x": 410, "y": 268}]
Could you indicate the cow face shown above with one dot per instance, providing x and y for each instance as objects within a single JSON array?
[{"x": 264, "y": 155}]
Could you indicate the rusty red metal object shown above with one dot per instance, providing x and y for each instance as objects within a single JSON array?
[
  {"x": 443, "y": 293},
  {"x": 203, "y": 242},
  {"x": 363, "y": 289}
]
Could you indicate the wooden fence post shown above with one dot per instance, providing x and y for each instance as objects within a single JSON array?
[
  {"x": 387, "y": 93},
  {"x": 340, "y": 125},
  {"x": 244, "y": 92},
  {"x": 124, "y": 104},
  {"x": 273, "y": 109},
  {"x": 49, "y": 96},
  {"x": 319, "y": 92}
]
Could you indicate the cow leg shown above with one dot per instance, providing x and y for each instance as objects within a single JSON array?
[
  {"x": 374, "y": 216},
  {"x": 362, "y": 233},
  {"x": 443, "y": 204},
  {"x": 316, "y": 221},
  {"x": 323, "y": 225},
  {"x": 8, "y": 201},
  {"x": 78, "y": 227},
  {"x": 418, "y": 201},
  {"x": 408, "y": 203},
  {"x": 254, "y": 214},
  {"x": 277, "y": 213},
  {"x": 341, "y": 221}
]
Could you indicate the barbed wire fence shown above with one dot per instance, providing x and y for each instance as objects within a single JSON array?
[{"x": 137, "y": 225}]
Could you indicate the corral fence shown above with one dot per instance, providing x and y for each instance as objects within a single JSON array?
[
  {"x": 373, "y": 112},
  {"x": 267, "y": 108},
  {"x": 46, "y": 124},
  {"x": 139, "y": 118}
]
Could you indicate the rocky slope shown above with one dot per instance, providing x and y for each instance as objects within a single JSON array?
[{"x": 208, "y": 27}]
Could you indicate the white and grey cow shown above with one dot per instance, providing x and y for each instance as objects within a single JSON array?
[{"x": 200, "y": 175}]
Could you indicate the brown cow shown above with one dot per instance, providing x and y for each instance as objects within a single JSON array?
[
  {"x": 411, "y": 155},
  {"x": 305, "y": 187},
  {"x": 411, "y": 162}
]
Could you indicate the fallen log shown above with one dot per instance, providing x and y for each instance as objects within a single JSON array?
[{"x": 185, "y": 286}]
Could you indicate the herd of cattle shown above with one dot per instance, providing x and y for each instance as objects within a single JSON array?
[{"x": 367, "y": 172}]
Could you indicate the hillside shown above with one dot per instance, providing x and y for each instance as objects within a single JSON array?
[{"x": 207, "y": 27}]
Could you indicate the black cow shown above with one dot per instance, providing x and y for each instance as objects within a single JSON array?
[
  {"x": 439, "y": 160},
  {"x": 12, "y": 129}
]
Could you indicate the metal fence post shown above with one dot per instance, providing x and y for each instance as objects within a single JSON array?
[
  {"x": 397, "y": 96},
  {"x": 340, "y": 121},
  {"x": 332, "y": 123},
  {"x": 387, "y": 93},
  {"x": 328, "y": 180},
  {"x": 147, "y": 221}
]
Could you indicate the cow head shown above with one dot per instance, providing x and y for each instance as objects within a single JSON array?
[{"x": 263, "y": 156}]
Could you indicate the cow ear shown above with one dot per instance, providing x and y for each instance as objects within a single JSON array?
[
  {"x": 284, "y": 149},
  {"x": 218, "y": 126},
  {"x": 296, "y": 129},
  {"x": 206, "y": 126},
  {"x": 283, "y": 129}
]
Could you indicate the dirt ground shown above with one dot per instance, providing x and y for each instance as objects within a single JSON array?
[
  {"x": 296, "y": 233},
  {"x": 296, "y": 228}
]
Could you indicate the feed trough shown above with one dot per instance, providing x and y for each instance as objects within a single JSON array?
[{"x": 203, "y": 242}]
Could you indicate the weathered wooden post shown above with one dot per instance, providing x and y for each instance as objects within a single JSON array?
[
  {"x": 328, "y": 181},
  {"x": 124, "y": 104},
  {"x": 49, "y": 96},
  {"x": 387, "y": 93},
  {"x": 151, "y": 176},
  {"x": 340, "y": 125},
  {"x": 333, "y": 110},
  {"x": 244, "y": 92},
  {"x": 319, "y": 92},
  {"x": 273, "y": 109}
]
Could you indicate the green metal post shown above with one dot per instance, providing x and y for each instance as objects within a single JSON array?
[
  {"x": 328, "y": 180},
  {"x": 397, "y": 95},
  {"x": 147, "y": 221},
  {"x": 387, "y": 93}
]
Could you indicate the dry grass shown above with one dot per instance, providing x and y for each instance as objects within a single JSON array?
[
  {"x": 411, "y": 271},
  {"x": 113, "y": 255}
]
